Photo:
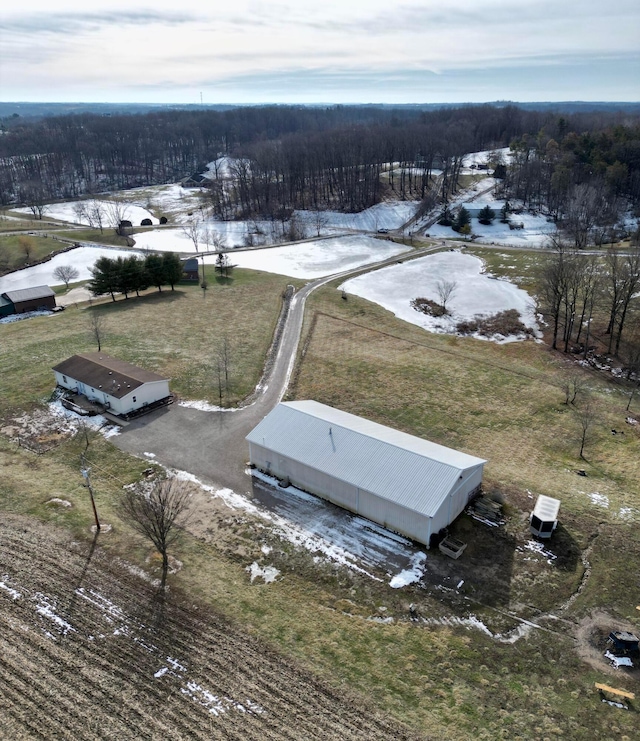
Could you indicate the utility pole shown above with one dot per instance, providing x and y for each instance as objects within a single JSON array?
[{"x": 85, "y": 474}]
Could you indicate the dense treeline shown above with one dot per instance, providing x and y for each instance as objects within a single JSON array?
[
  {"x": 133, "y": 274},
  {"x": 294, "y": 157},
  {"x": 585, "y": 181}
]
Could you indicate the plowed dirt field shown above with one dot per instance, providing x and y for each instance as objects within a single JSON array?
[{"x": 88, "y": 650}]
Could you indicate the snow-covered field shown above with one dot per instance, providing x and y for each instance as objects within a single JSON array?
[
  {"x": 175, "y": 240},
  {"x": 171, "y": 200},
  {"x": 164, "y": 240},
  {"x": 82, "y": 258},
  {"x": 68, "y": 212},
  {"x": 390, "y": 215},
  {"x": 476, "y": 293},
  {"x": 317, "y": 258},
  {"x": 535, "y": 232}
]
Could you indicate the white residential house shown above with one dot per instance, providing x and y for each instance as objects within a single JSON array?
[
  {"x": 402, "y": 482},
  {"x": 122, "y": 388}
]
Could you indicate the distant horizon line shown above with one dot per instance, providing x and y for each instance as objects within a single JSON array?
[{"x": 321, "y": 103}]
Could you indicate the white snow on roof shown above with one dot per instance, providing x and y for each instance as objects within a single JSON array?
[{"x": 408, "y": 470}]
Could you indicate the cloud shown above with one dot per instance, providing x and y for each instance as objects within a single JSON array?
[{"x": 64, "y": 23}]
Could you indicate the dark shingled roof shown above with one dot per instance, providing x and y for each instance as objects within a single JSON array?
[
  {"x": 29, "y": 294},
  {"x": 100, "y": 371}
]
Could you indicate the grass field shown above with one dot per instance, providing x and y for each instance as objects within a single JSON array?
[
  {"x": 13, "y": 255},
  {"x": 175, "y": 333},
  {"x": 503, "y": 403},
  {"x": 107, "y": 236}
]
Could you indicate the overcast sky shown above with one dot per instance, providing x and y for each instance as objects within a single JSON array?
[{"x": 342, "y": 51}]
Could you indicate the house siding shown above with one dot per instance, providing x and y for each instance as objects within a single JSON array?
[{"x": 146, "y": 394}]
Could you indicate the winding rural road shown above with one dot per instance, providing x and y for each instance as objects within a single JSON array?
[{"x": 211, "y": 444}]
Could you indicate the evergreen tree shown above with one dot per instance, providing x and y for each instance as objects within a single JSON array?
[
  {"x": 105, "y": 278},
  {"x": 172, "y": 268},
  {"x": 486, "y": 215},
  {"x": 137, "y": 274},
  {"x": 462, "y": 219},
  {"x": 446, "y": 218},
  {"x": 155, "y": 271}
]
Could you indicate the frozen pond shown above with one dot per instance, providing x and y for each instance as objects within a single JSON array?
[
  {"x": 81, "y": 258},
  {"x": 317, "y": 258},
  {"x": 476, "y": 293}
]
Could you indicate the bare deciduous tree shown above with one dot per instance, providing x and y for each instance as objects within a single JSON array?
[
  {"x": 26, "y": 247},
  {"x": 320, "y": 220},
  {"x": 158, "y": 515},
  {"x": 446, "y": 289},
  {"x": 572, "y": 386},
  {"x": 96, "y": 325},
  {"x": 115, "y": 212},
  {"x": 66, "y": 273},
  {"x": 586, "y": 416}
]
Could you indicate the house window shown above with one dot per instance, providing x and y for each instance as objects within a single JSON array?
[
  {"x": 134, "y": 399},
  {"x": 64, "y": 378}
]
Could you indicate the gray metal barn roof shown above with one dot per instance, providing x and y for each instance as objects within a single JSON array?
[
  {"x": 402, "y": 468},
  {"x": 29, "y": 294}
]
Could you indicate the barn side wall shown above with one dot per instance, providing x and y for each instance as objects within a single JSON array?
[
  {"x": 395, "y": 517},
  {"x": 35, "y": 304},
  {"x": 388, "y": 514},
  {"x": 317, "y": 482}
]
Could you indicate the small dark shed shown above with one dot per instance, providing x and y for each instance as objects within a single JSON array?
[
  {"x": 190, "y": 268},
  {"x": 27, "y": 299}
]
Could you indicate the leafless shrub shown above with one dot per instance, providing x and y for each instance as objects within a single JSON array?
[
  {"x": 429, "y": 307},
  {"x": 503, "y": 323}
]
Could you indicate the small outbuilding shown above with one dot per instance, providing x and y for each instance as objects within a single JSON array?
[
  {"x": 190, "y": 269},
  {"x": 544, "y": 518},
  {"x": 405, "y": 483},
  {"x": 119, "y": 387},
  {"x": 38, "y": 298}
]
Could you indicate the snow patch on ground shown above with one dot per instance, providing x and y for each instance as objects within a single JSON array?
[
  {"x": 45, "y": 608},
  {"x": 395, "y": 286},
  {"x": 204, "y": 406},
  {"x": 412, "y": 574},
  {"x": 96, "y": 423},
  {"x": 25, "y": 315},
  {"x": 628, "y": 514},
  {"x": 599, "y": 500},
  {"x": 13, "y": 593},
  {"x": 59, "y": 502},
  {"x": 268, "y": 573},
  {"x": 538, "y": 548}
]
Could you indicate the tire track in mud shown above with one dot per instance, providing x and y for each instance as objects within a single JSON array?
[{"x": 89, "y": 651}]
